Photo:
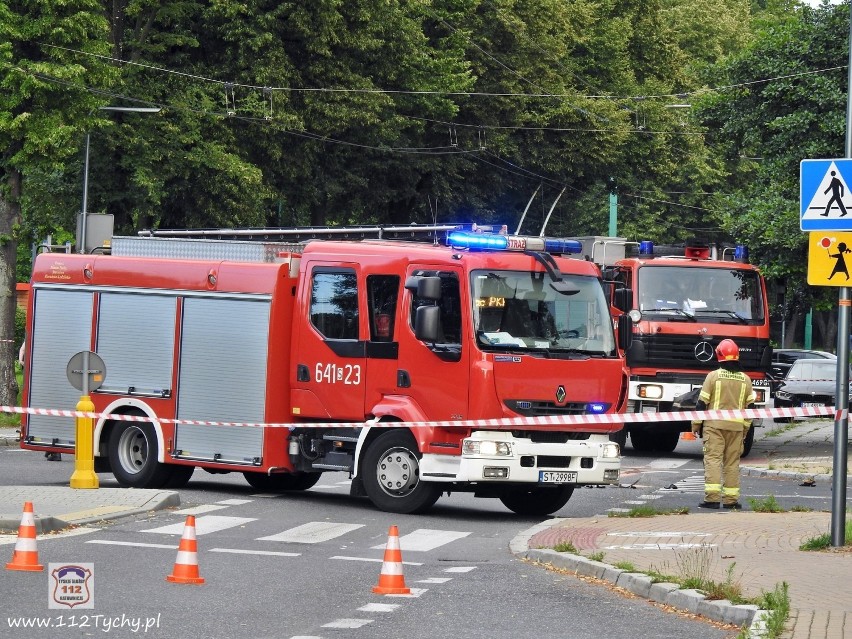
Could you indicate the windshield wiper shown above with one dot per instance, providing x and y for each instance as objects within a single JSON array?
[
  {"x": 671, "y": 310},
  {"x": 734, "y": 314}
]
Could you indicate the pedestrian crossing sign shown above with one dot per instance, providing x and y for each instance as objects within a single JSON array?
[
  {"x": 829, "y": 258},
  {"x": 826, "y": 199}
]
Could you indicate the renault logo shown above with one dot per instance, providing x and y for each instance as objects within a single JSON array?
[
  {"x": 704, "y": 352},
  {"x": 560, "y": 394}
]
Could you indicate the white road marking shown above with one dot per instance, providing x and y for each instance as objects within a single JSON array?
[
  {"x": 638, "y": 503},
  {"x": 203, "y": 525},
  {"x": 415, "y": 592},
  {"x": 313, "y": 532},
  {"x": 107, "y": 542},
  {"x": 240, "y": 551},
  {"x": 460, "y": 569},
  {"x": 347, "y": 623},
  {"x": 668, "y": 464},
  {"x": 658, "y": 546},
  {"x": 73, "y": 532},
  {"x": 425, "y": 539},
  {"x": 650, "y": 533},
  {"x": 234, "y": 502},
  {"x": 377, "y": 607},
  {"x": 199, "y": 510},
  {"x": 435, "y": 580},
  {"x": 373, "y": 560}
]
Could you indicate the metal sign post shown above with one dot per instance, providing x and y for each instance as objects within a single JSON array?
[{"x": 86, "y": 371}]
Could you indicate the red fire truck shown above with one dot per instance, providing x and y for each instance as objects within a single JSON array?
[
  {"x": 683, "y": 302},
  {"x": 286, "y": 359}
]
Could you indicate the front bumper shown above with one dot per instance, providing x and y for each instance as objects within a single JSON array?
[{"x": 526, "y": 461}]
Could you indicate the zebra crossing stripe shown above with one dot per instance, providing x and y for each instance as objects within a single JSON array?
[
  {"x": 313, "y": 532},
  {"x": 203, "y": 525},
  {"x": 425, "y": 539}
]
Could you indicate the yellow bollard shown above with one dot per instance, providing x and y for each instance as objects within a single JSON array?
[{"x": 84, "y": 448}]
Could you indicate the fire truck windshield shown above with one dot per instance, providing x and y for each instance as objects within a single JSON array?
[
  {"x": 687, "y": 293},
  {"x": 520, "y": 310}
]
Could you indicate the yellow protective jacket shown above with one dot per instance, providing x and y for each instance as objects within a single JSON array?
[{"x": 726, "y": 389}]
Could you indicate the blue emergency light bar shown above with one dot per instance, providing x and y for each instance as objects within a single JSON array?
[
  {"x": 488, "y": 241},
  {"x": 646, "y": 247},
  {"x": 741, "y": 254}
]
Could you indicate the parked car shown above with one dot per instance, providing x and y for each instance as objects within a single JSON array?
[
  {"x": 783, "y": 358},
  {"x": 809, "y": 382}
]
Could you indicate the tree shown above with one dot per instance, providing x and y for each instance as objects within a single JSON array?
[
  {"x": 786, "y": 103},
  {"x": 43, "y": 106}
]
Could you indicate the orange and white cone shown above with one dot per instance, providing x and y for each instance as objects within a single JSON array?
[
  {"x": 25, "y": 556},
  {"x": 391, "y": 581},
  {"x": 186, "y": 564}
]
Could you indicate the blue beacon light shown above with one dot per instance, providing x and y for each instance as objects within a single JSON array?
[{"x": 646, "y": 247}]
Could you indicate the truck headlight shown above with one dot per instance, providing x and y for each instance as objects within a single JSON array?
[
  {"x": 650, "y": 391},
  {"x": 486, "y": 447},
  {"x": 783, "y": 395},
  {"x": 610, "y": 451}
]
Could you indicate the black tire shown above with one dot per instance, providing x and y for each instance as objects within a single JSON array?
[
  {"x": 537, "y": 501},
  {"x": 133, "y": 454},
  {"x": 391, "y": 475},
  {"x": 281, "y": 482},
  {"x": 782, "y": 420},
  {"x": 748, "y": 441},
  {"x": 619, "y": 437},
  {"x": 179, "y": 477},
  {"x": 666, "y": 442},
  {"x": 642, "y": 441}
]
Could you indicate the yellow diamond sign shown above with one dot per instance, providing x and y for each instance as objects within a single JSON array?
[{"x": 829, "y": 258}]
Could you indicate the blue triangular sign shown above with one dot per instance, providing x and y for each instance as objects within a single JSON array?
[{"x": 826, "y": 200}]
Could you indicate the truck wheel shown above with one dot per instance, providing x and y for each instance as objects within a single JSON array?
[
  {"x": 179, "y": 477},
  {"x": 619, "y": 437},
  {"x": 282, "y": 481},
  {"x": 391, "y": 475},
  {"x": 641, "y": 440},
  {"x": 748, "y": 441},
  {"x": 537, "y": 501},
  {"x": 666, "y": 442},
  {"x": 133, "y": 456}
]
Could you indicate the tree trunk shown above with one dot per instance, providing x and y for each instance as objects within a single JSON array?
[{"x": 10, "y": 210}]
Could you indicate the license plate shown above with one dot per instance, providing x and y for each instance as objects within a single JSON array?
[
  {"x": 808, "y": 404},
  {"x": 557, "y": 477}
]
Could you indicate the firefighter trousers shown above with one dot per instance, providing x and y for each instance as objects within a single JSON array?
[{"x": 722, "y": 450}]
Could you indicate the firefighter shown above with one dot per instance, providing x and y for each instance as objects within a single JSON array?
[{"x": 726, "y": 388}]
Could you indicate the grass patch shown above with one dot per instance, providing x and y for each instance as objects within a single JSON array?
[
  {"x": 650, "y": 511},
  {"x": 597, "y": 556},
  {"x": 824, "y": 541},
  {"x": 566, "y": 546},
  {"x": 14, "y": 419},
  {"x": 780, "y": 430},
  {"x": 626, "y": 566},
  {"x": 777, "y": 603},
  {"x": 801, "y": 509},
  {"x": 768, "y": 505}
]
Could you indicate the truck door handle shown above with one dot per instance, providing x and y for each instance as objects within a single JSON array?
[{"x": 403, "y": 379}]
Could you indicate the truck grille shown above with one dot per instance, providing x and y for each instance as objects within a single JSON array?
[
  {"x": 529, "y": 408},
  {"x": 679, "y": 351}
]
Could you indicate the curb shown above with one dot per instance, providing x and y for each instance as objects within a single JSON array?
[
  {"x": 9, "y": 438},
  {"x": 668, "y": 594},
  {"x": 49, "y": 523},
  {"x": 642, "y": 585}
]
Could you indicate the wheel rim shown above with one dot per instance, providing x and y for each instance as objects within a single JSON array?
[
  {"x": 398, "y": 472},
  {"x": 133, "y": 450}
]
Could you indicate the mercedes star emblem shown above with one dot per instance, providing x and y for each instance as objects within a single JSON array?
[{"x": 704, "y": 351}]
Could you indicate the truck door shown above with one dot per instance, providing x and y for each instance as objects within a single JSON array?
[
  {"x": 329, "y": 350},
  {"x": 435, "y": 374}
]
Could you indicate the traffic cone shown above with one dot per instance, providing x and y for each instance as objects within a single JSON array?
[
  {"x": 391, "y": 581},
  {"x": 25, "y": 556},
  {"x": 186, "y": 564}
]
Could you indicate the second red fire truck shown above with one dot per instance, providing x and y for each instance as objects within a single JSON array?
[{"x": 381, "y": 358}]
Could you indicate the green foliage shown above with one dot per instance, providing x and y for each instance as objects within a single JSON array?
[
  {"x": 767, "y": 505},
  {"x": 822, "y": 542},
  {"x": 566, "y": 546},
  {"x": 649, "y": 511}
]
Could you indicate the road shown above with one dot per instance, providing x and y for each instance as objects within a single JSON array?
[{"x": 303, "y": 565}]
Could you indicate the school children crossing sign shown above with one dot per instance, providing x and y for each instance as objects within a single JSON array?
[
  {"x": 829, "y": 258},
  {"x": 826, "y": 199}
]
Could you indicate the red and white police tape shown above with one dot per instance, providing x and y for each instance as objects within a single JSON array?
[{"x": 507, "y": 422}]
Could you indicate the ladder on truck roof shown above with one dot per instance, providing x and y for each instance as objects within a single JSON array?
[
  {"x": 413, "y": 232},
  {"x": 259, "y": 244}
]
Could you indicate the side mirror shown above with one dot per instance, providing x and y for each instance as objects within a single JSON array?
[
  {"x": 623, "y": 299},
  {"x": 625, "y": 331},
  {"x": 428, "y": 288},
  {"x": 427, "y": 324}
]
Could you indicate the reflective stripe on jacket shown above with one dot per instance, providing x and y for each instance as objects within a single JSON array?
[{"x": 727, "y": 390}]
